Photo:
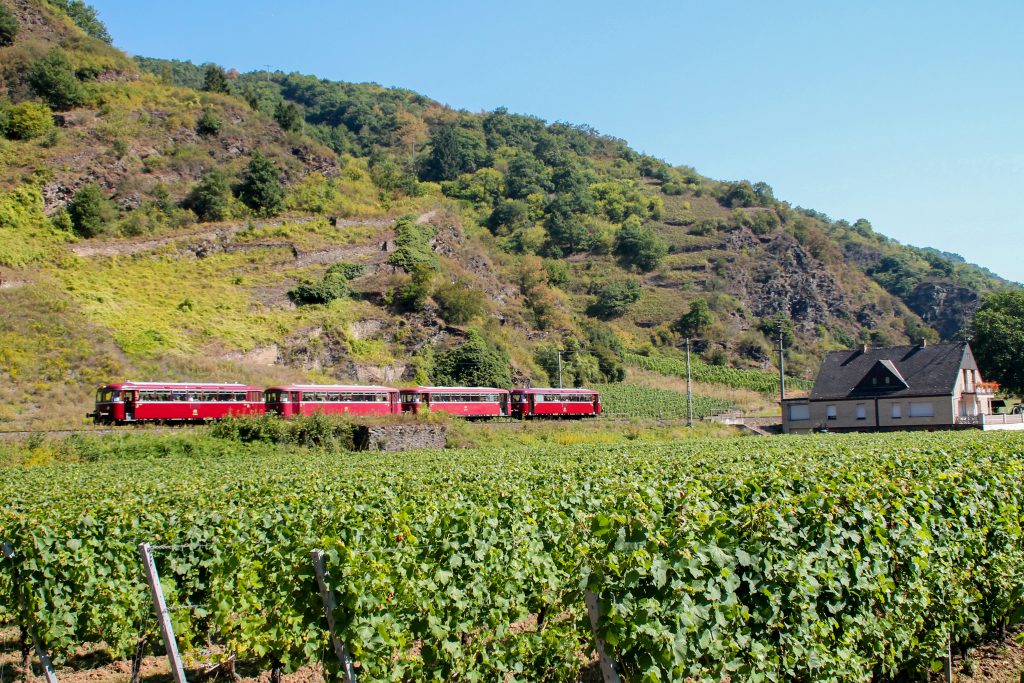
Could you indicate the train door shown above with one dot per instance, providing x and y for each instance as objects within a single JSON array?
[
  {"x": 295, "y": 398},
  {"x": 129, "y": 396}
]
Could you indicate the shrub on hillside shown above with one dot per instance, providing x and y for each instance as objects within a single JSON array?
[
  {"x": 459, "y": 303},
  {"x": 85, "y": 18},
  {"x": 209, "y": 124},
  {"x": 261, "y": 189},
  {"x": 27, "y": 120},
  {"x": 8, "y": 26},
  {"x": 638, "y": 245},
  {"x": 53, "y": 79},
  {"x": 614, "y": 298},
  {"x": 211, "y": 198},
  {"x": 91, "y": 211},
  {"x": 215, "y": 79},
  {"x": 288, "y": 116},
  {"x": 475, "y": 363}
]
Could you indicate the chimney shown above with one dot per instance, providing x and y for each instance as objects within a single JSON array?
[
  {"x": 924, "y": 342},
  {"x": 864, "y": 348}
]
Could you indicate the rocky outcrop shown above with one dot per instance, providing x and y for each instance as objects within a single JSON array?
[{"x": 945, "y": 306}]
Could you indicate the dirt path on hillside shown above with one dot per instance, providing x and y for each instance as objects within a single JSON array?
[{"x": 207, "y": 232}]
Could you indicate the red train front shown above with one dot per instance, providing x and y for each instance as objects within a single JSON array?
[
  {"x": 174, "y": 402},
  {"x": 471, "y": 402},
  {"x": 569, "y": 403},
  {"x": 306, "y": 399}
]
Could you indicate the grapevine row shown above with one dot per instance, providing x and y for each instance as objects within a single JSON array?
[{"x": 700, "y": 371}]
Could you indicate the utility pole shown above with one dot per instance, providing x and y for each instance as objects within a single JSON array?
[
  {"x": 689, "y": 392},
  {"x": 559, "y": 368},
  {"x": 782, "y": 368}
]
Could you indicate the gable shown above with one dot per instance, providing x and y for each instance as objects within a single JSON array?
[{"x": 930, "y": 370}]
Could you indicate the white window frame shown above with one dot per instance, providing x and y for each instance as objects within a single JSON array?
[
  {"x": 922, "y": 409},
  {"x": 801, "y": 409},
  {"x": 897, "y": 411},
  {"x": 862, "y": 411},
  {"x": 830, "y": 413}
]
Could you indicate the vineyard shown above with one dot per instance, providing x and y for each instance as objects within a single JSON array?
[
  {"x": 827, "y": 558},
  {"x": 755, "y": 380},
  {"x": 626, "y": 400}
]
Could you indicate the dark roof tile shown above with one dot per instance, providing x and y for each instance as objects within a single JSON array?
[{"x": 928, "y": 370}]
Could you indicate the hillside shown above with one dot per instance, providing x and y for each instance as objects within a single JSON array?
[{"x": 165, "y": 220}]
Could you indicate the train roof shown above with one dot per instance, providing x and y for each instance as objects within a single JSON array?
[
  {"x": 489, "y": 390},
  {"x": 331, "y": 387},
  {"x": 563, "y": 390},
  {"x": 180, "y": 385}
]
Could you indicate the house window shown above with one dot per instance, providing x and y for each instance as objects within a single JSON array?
[
  {"x": 862, "y": 413},
  {"x": 922, "y": 410},
  {"x": 830, "y": 412},
  {"x": 799, "y": 412},
  {"x": 897, "y": 411}
]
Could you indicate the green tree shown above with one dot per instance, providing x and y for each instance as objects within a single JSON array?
[
  {"x": 475, "y": 363},
  {"x": 211, "y": 198},
  {"x": 459, "y": 303},
  {"x": 53, "y": 79},
  {"x": 209, "y": 123},
  {"x": 215, "y": 79},
  {"x": 85, "y": 18},
  {"x": 773, "y": 324},
  {"x": 453, "y": 151},
  {"x": 696, "y": 321},
  {"x": 289, "y": 116},
  {"x": 998, "y": 340},
  {"x": 261, "y": 189},
  {"x": 638, "y": 245},
  {"x": 28, "y": 120},
  {"x": 8, "y": 26},
  {"x": 614, "y": 298},
  {"x": 91, "y": 211}
]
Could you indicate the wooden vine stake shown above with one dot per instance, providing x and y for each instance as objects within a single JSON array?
[
  {"x": 162, "y": 615},
  {"x": 44, "y": 659},
  {"x": 327, "y": 595},
  {"x": 947, "y": 661},
  {"x": 608, "y": 672}
]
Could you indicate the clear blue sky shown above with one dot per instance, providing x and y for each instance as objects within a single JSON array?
[{"x": 909, "y": 114}]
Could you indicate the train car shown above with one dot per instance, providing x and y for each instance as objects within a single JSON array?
[
  {"x": 129, "y": 402},
  {"x": 471, "y": 402},
  {"x": 551, "y": 403},
  {"x": 306, "y": 399}
]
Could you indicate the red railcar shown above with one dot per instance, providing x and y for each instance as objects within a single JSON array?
[
  {"x": 306, "y": 399},
  {"x": 569, "y": 403},
  {"x": 464, "y": 401},
  {"x": 174, "y": 402}
]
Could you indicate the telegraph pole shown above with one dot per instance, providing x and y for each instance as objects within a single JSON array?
[
  {"x": 782, "y": 368},
  {"x": 689, "y": 392},
  {"x": 559, "y": 368}
]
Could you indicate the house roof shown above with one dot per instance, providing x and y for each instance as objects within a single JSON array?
[{"x": 930, "y": 370}]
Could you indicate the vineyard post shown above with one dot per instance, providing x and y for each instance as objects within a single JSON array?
[
  {"x": 689, "y": 391},
  {"x": 608, "y": 672},
  {"x": 44, "y": 659},
  {"x": 947, "y": 661},
  {"x": 162, "y": 615},
  {"x": 327, "y": 595}
]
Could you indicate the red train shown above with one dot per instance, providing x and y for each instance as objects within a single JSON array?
[
  {"x": 129, "y": 402},
  {"x": 306, "y": 399},
  {"x": 174, "y": 402}
]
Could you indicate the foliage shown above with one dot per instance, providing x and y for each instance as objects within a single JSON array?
[
  {"x": 756, "y": 380},
  {"x": 997, "y": 340},
  {"x": 25, "y": 233},
  {"x": 638, "y": 245},
  {"x": 626, "y": 400},
  {"x": 8, "y": 26},
  {"x": 215, "y": 79},
  {"x": 459, "y": 303},
  {"x": 412, "y": 245},
  {"x": 793, "y": 559},
  {"x": 474, "y": 363},
  {"x": 91, "y": 212},
  {"x": 333, "y": 285},
  {"x": 614, "y": 298},
  {"x": 27, "y": 120},
  {"x": 211, "y": 198},
  {"x": 289, "y": 116},
  {"x": 209, "y": 123},
  {"x": 779, "y": 322},
  {"x": 53, "y": 79},
  {"x": 454, "y": 150},
  {"x": 696, "y": 321},
  {"x": 261, "y": 189},
  {"x": 85, "y": 18}
]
